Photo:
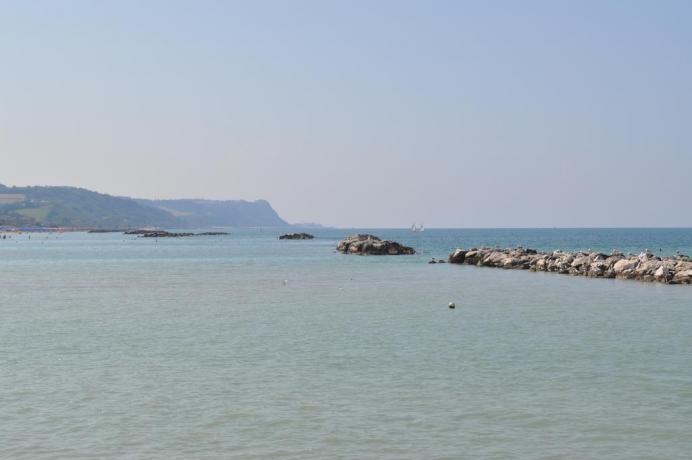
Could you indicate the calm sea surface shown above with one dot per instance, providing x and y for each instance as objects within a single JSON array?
[{"x": 119, "y": 347}]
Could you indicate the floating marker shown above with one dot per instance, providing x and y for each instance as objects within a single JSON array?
[{"x": 452, "y": 305}]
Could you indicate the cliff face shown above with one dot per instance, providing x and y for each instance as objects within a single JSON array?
[{"x": 76, "y": 207}]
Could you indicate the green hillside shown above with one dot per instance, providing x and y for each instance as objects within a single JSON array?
[{"x": 77, "y": 207}]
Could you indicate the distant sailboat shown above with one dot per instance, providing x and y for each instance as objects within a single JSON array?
[{"x": 421, "y": 228}]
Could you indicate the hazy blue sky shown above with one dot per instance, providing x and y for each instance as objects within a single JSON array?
[{"x": 359, "y": 113}]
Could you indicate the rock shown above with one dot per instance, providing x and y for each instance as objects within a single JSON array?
[
  {"x": 457, "y": 257},
  {"x": 371, "y": 245},
  {"x": 648, "y": 267},
  {"x": 137, "y": 232},
  {"x": 662, "y": 274},
  {"x": 296, "y": 236},
  {"x": 512, "y": 262},
  {"x": 597, "y": 268},
  {"x": 683, "y": 272},
  {"x": 644, "y": 266},
  {"x": 624, "y": 265},
  {"x": 614, "y": 258},
  {"x": 580, "y": 260},
  {"x": 164, "y": 234},
  {"x": 683, "y": 277},
  {"x": 541, "y": 264},
  {"x": 494, "y": 259},
  {"x": 682, "y": 266},
  {"x": 471, "y": 257}
]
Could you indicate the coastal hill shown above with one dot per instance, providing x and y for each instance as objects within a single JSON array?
[
  {"x": 77, "y": 207},
  {"x": 212, "y": 213}
]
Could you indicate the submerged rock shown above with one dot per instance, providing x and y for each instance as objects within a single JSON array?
[
  {"x": 137, "y": 232},
  {"x": 372, "y": 245},
  {"x": 644, "y": 267},
  {"x": 166, "y": 234},
  {"x": 296, "y": 236}
]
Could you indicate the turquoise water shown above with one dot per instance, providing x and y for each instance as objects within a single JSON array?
[{"x": 119, "y": 347}]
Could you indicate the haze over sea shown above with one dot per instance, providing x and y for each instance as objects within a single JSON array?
[{"x": 124, "y": 347}]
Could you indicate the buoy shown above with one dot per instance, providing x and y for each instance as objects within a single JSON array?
[{"x": 452, "y": 305}]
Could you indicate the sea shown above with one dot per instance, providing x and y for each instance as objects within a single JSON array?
[{"x": 247, "y": 347}]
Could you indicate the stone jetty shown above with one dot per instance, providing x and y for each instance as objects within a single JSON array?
[
  {"x": 643, "y": 267},
  {"x": 371, "y": 245}
]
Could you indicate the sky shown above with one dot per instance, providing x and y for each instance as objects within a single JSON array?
[{"x": 359, "y": 113}]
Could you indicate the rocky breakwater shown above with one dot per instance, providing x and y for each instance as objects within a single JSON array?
[
  {"x": 372, "y": 245},
  {"x": 165, "y": 234},
  {"x": 296, "y": 236},
  {"x": 643, "y": 267}
]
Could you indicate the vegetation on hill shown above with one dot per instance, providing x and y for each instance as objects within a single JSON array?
[{"x": 77, "y": 207}]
